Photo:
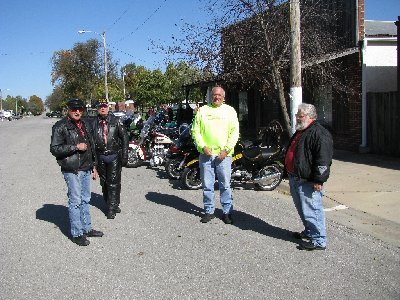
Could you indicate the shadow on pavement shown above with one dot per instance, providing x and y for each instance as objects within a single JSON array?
[
  {"x": 97, "y": 201},
  {"x": 56, "y": 214},
  {"x": 382, "y": 161},
  {"x": 242, "y": 220}
]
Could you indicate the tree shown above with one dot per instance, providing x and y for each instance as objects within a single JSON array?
[
  {"x": 247, "y": 42},
  {"x": 152, "y": 87},
  {"x": 178, "y": 75},
  {"x": 79, "y": 72},
  {"x": 35, "y": 105},
  {"x": 56, "y": 101}
]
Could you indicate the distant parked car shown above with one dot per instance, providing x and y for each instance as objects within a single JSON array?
[
  {"x": 17, "y": 116},
  {"x": 54, "y": 114}
]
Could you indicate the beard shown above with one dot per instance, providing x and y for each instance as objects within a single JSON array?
[{"x": 301, "y": 125}]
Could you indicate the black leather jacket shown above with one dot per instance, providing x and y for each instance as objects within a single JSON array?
[
  {"x": 117, "y": 137},
  {"x": 313, "y": 154},
  {"x": 65, "y": 136}
]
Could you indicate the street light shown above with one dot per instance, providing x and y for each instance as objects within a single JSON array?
[{"x": 103, "y": 35}]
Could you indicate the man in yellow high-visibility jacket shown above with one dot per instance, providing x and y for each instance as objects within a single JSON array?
[{"x": 215, "y": 131}]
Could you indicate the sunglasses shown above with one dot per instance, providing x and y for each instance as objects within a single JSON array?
[
  {"x": 103, "y": 106},
  {"x": 76, "y": 109}
]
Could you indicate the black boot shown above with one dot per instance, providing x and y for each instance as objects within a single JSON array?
[{"x": 111, "y": 214}]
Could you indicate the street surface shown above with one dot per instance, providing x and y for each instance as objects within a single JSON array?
[{"x": 157, "y": 248}]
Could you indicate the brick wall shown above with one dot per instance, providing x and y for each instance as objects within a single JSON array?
[
  {"x": 347, "y": 107},
  {"x": 361, "y": 28}
]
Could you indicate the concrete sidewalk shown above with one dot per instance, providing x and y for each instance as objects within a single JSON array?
[{"x": 363, "y": 192}]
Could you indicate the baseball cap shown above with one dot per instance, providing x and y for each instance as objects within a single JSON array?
[{"x": 101, "y": 102}]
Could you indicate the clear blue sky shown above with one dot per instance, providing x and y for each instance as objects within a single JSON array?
[{"x": 31, "y": 31}]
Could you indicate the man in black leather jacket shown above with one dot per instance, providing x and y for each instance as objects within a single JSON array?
[
  {"x": 73, "y": 147},
  {"x": 308, "y": 160},
  {"x": 111, "y": 144}
]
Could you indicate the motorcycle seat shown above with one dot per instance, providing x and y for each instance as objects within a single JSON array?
[{"x": 255, "y": 153}]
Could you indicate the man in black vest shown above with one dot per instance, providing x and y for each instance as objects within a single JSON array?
[{"x": 111, "y": 144}]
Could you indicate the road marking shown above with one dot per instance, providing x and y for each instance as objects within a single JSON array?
[{"x": 338, "y": 207}]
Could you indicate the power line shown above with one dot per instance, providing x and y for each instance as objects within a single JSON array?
[
  {"x": 117, "y": 20},
  {"x": 27, "y": 53},
  {"x": 144, "y": 22}
]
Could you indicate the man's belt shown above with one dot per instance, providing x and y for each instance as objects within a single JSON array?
[{"x": 108, "y": 152}]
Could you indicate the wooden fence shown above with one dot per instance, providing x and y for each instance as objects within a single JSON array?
[{"x": 384, "y": 123}]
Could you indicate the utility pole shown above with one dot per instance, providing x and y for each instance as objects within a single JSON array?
[
  {"x": 123, "y": 81},
  {"x": 397, "y": 23},
  {"x": 295, "y": 61},
  {"x": 105, "y": 63}
]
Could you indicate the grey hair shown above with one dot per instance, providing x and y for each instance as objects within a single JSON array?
[
  {"x": 308, "y": 110},
  {"x": 219, "y": 87}
]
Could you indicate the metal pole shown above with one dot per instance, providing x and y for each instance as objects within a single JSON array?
[
  {"x": 295, "y": 61},
  {"x": 397, "y": 23},
  {"x": 105, "y": 63},
  {"x": 1, "y": 100},
  {"x": 123, "y": 81},
  {"x": 103, "y": 35}
]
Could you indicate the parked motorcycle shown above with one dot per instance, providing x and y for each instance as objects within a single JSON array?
[
  {"x": 251, "y": 162},
  {"x": 183, "y": 151},
  {"x": 135, "y": 127},
  {"x": 151, "y": 146}
]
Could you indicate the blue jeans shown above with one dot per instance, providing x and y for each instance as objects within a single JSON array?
[
  {"x": 209, "y": 167},
  {"x": 78, "y": 201},
  {"x": 310, "y": 208}
]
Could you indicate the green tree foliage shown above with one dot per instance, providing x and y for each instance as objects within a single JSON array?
[
  {"x": 178, "y": 75},
  {"x": 15, "y": 103},
  {"x": 79, "y": 72},
  {"x": 9, "y": 103},
  {"x": 56, "y": 101},
  {"x": 21, "y": 105},
  {"x": 146, "y": 87},
  {"x": 35, "y": 105},
  {"x": 152, "y": 87}
]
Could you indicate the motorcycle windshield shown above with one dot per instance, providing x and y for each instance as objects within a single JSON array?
[
  {"x": 185, "y": 138},
  {"x": 145, "y": 130}
]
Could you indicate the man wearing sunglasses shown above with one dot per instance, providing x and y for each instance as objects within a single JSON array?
[
  {"x": 111, "y": 144},
  {"x": 72, "y": 145}
]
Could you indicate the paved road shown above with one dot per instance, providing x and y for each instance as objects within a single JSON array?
[{"x": 157, "y": 248}]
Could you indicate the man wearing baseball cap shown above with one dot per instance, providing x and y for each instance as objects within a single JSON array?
[{"x": 72, "y": 145}]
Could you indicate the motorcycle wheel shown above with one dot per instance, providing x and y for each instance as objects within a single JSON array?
[
  {"x": 172, "y": 168},
  {"x": 191, "y": 178},
  {"x": 273, "y": 174},
  {"x": 135, "y": 157}
]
